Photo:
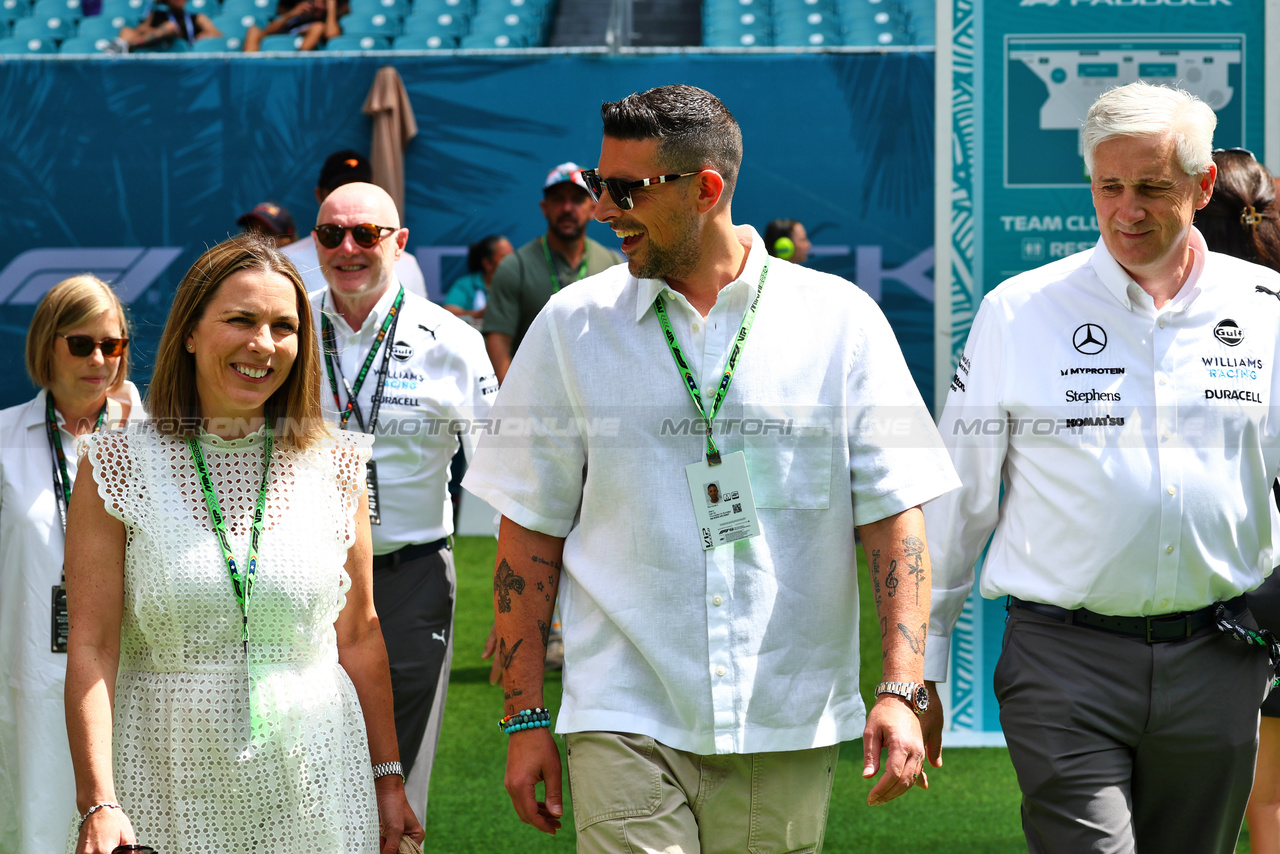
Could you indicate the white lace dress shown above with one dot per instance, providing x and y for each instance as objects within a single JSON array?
[{"x": 213, "y": 754}]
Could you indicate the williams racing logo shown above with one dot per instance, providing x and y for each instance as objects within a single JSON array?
[
  {"x": 1089, "y": 339},
  {"x": 1228, "y": 332}
]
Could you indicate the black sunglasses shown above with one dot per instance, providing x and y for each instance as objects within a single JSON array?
[
  {"x": 366, "y": 234},
  {"x": 84, "y": 345},
  {"x": 620, "y": 190}
]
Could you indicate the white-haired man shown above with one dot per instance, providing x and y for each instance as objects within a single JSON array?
[{"x": 1130, "y": 388}]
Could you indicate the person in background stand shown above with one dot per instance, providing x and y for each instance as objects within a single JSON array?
[
  {"x": 468, "y": 295},
  {"x": 270, "y": 220},
  {"x": 316, "y": 21},
  {"x": 787, "y": 239},
  {"x": 1241, "y": 220},
  {"x": 528, "y": 277},
  {"x": 77, "y": 355},
  {"x": 415, "y": 376},
  {"x": 167, "y": 24}
]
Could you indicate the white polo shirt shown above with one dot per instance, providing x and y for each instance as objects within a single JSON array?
[
  {"x": 1136, "y": 447},
  {"x": 748, "y": 647},
  {"x": 439, "y": 382}
]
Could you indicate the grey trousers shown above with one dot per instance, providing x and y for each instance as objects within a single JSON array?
[
  {"x": 1125, "y": 747},
  {"x": 415, "y": 600}
]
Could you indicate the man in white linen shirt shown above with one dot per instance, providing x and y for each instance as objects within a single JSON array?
[
  {"x": 416, "y": 377},
  {"x": 710, "y": 671},
  {"x": 1123, "y": 399}
]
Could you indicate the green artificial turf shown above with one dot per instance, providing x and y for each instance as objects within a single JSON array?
[{"x": 971, "y": 807}]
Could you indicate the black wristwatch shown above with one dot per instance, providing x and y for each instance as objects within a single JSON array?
[{"x": 916, "y": 695}]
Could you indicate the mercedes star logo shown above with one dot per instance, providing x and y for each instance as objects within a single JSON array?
[{"x": 1090, "y": 339}]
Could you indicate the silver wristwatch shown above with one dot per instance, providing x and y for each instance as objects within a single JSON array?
[{"x": 916, "y": 695}]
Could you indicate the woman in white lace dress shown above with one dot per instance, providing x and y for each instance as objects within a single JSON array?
[{"x": 220, "y": 596}]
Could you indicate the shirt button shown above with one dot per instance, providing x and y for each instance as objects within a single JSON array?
[
  {"x": 716, "y": 600},
  {"x": 695, "y": 327},
  {"x": 1173, "y": 490},
  {"x": 720, "y": 670},
  {"x": 1168, "y": 550},
  {"x": 1162, "y": 323},
  {"x": 1163, "y": 381},
  {"x": 1164, "y": 603},
  {"x": 1167, "y": 434}
]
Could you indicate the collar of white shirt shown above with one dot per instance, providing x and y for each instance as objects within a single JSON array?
[
  {"x": 375, "y": 318},
  {"x": 648, "y": 289},
  {"x": 1130, "y": 294}
]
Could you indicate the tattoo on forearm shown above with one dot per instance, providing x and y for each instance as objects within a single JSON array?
[
  {"x": 891, "y": 579},
  {"x": 544, "y": 630},
  {"x": 884, "y": 628},
  {"x": 504, "y": 581},
  {"x": 875, "y": 575},
  {"x": 506, "y": 655},
  {"x": 914, "y": 549},
  {"x": 536, "y": 559},
  {"x": 516, "y": 693},
  {"x": 917, "y": 646}
]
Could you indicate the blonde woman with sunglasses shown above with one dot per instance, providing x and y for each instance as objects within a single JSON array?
[{"x": 76, "y": 353}]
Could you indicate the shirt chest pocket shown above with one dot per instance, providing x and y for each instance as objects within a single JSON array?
[{"x": 788, "y": 451}]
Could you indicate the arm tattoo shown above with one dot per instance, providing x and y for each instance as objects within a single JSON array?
[
  {"x": 506, "y": 655},
  {"x": 914, "y": 549},
  {"x": 875, "y": 576},
  {"x": 536, "y": 559},
  {"x": 504, "y": 581},
  {"x": 544, "y": 629},
  {"x": 891, "y": 580},
  {"x": 917, "y": 646}
]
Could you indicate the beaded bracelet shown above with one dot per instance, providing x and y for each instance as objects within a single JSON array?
[{"x": 527, "y": 719}]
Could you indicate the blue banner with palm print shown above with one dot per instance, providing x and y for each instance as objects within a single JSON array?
[{"x": 130, "y": 168}]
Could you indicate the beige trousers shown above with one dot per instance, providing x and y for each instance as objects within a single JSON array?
[{"x": 632, "y": 794}]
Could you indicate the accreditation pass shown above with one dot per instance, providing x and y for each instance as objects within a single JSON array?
[{"x": 722, "y": 500}]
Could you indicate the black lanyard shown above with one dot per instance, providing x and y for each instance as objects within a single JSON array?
[
  {"x": 555, "y": 277},
  {"x": 61, "y": 480},
  {"x": 388, "y": 330}
]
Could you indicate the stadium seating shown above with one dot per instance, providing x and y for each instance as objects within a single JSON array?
[
  {"x": 400, "y": 8},
  {"x": 83, "y": 44},
  {"x": 236, "y": 25},
  {"x": 382, "y": 24},
  {"x": 424, "y": 41},
  {"x": 262, "y": 10},
  {"x": 282, "y": 43},
  {"x": 221, "y": 44},
  {"x": 445, "y": 25},
  {"x": 48, "y": 29},
  {"x": 348, "y": 42},
  {"x": 67, "y": 10},
  {"x": 15, "y": 45}
]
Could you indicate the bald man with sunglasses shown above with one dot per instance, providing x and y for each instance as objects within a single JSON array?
[{"x": 416, "y": 377}]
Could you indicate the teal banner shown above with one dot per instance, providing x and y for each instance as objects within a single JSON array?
[
  {"x": 1019, "y": 76},
  {"x": 130, "y": 168}
]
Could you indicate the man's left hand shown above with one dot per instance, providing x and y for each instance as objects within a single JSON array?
[{"x": 893, "y": 727}]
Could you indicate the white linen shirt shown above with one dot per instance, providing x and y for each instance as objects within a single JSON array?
[
  {"x": 37, "y": 786},
  {"x": 439, "y": 383},
  {"x": 1136, "y": 447},
  {"x": 748, "y": 647}
]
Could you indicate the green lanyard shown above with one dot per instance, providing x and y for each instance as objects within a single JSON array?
[
  {"x": 331, "y": 350},
  {"x": 555, "y": 278},
  {"x": 243, "y": 585},
  {"x": 61, "y": 480},
  {"x": 691, "y": 382}
]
